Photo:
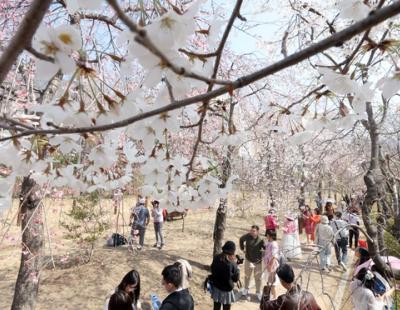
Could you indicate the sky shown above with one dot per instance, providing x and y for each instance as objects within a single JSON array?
[{"x": 267, "y": 24}]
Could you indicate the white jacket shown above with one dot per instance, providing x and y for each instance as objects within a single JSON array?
[{"x": 363, "y": 298}]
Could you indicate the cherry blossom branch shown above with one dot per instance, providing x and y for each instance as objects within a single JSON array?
[
  {"x": 235, "y": 13},
  {"x": 103, "y": 18},
  {"x": 23, "y": 37},
  {"x": 373, "y": 19},
  {"x": 145, "y": 41},
  {"x": 39, "y": 55}
]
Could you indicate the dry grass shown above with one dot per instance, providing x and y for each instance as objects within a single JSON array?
[{"x": 87, "y": 286}]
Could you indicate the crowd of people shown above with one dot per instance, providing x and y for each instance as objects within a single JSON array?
[{"x": 326, "y": 227}]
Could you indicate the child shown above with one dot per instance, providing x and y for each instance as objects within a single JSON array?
[
  {"x": 271, "y": 261},
  {"x": 271, "y": 223}
]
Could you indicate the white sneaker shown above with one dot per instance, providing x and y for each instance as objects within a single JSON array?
[
  {"x": 244, "y": 292},
  {"x": 343, "y": 266},
  {"x": 259, "y": 296}
]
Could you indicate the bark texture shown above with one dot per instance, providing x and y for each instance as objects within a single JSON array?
[{"x": 27, "y": 285}]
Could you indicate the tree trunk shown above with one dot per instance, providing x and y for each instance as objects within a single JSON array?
[
  {"x": 219, "y": 226},
  {"x": 27, "y": 285},
  {"x": 373, "y": 180},
  {"x": 220, "y": 218}
]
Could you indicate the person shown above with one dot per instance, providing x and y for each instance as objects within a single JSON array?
[
  {"x": 315, "y": 219},
  {"x": 329, "y": 211},
  {"x": 253, "y": 245},
  {"x": 362, "y": 255},
  {"x": 294, "y": 298},
  {"x": 319, "y": 201},
  {"x": 140, "y": 221},
  {"x": 271, "y": 261},
  {"x": 187, "y": 272},
  {"x": 324, "y": 235},
  {"x": 128, "y": 291},
  {"x": 308, "y": 223},
  {"x": 120, "y": 301},
  {"x": 362, "y": 292},
  {"x": 224, "y": 273},
  {"x": 300, "y": 219},
  {"x": 178, "y": 299},
  {"x": 341, "y": 240},
  {"x": 138, "y": 202},
  {"x": 271, "y": 223},
  {"x": 158, "y": 219},
  {"x": 353, "y": 219},
  {"x": 290, "y": 240}
]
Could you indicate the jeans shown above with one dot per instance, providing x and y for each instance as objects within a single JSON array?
[
  {"x": 325, "y": 255},
  {"x": 353, "y": 233},
  {"x": 217, "y": 306},
  {"x": 257, "y": 275},
  {"x": 142, "y": 231},
  {"x": 158, "y": 231},
  {"x": 341, "y": 250}
]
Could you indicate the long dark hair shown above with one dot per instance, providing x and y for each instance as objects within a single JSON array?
[
  {"x": 120, "y": 301},
  {"x": 131, "y": 278}
]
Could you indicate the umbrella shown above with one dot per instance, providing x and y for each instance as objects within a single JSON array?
[{"x": 393, "y": 262}]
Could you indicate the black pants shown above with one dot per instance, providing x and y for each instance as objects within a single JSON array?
[
  {"x": 341, "y": 250},
  {"x": 353, "y": 233},
  {"x": 217, "y": 306}
]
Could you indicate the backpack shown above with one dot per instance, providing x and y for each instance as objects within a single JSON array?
[{"x": 381, "y": 286}]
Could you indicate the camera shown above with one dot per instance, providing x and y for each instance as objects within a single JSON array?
[{"x": 239, "y": 260}]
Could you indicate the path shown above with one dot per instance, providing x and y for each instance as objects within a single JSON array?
[{"x": 335, "y": 284}]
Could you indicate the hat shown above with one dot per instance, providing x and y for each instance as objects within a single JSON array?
[
  {"x": 155, "y": 202},
  {"x": 272, "y": 211},
  {"x": 324, "y": 219},
  {"x": 285, "y": 273},
  {"x": 142, "y": 201},
  {"x": 229, "y": 248},
  {"x": 363, "y": 244}
]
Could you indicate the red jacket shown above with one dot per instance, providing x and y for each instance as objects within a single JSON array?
[{"x": 270, "y": 222}]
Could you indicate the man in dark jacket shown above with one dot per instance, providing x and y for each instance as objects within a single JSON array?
[
  {"x": 253, "y": 245},
  {"x": 295, "y": 297},
  {"x": 178, "y": 299}
]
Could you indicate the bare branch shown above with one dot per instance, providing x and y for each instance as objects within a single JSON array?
[
  {"x": 39, "y": 55},
  {"x": 23, "y": 37},
  {"x": 373, "y": 19}
]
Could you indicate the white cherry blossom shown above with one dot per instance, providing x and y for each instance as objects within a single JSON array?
[{"x": 353, "y": 9}]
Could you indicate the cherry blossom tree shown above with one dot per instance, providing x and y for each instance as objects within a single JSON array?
[{"x": 109, "y": 86}]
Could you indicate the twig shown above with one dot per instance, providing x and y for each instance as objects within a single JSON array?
[
  {"x": 38, "y": 54},
  {"x": 373, "y": 19},
  {"x": 24, "y": 35}
]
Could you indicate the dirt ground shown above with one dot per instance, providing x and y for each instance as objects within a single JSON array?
[{"x": 87, "y": 286}]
